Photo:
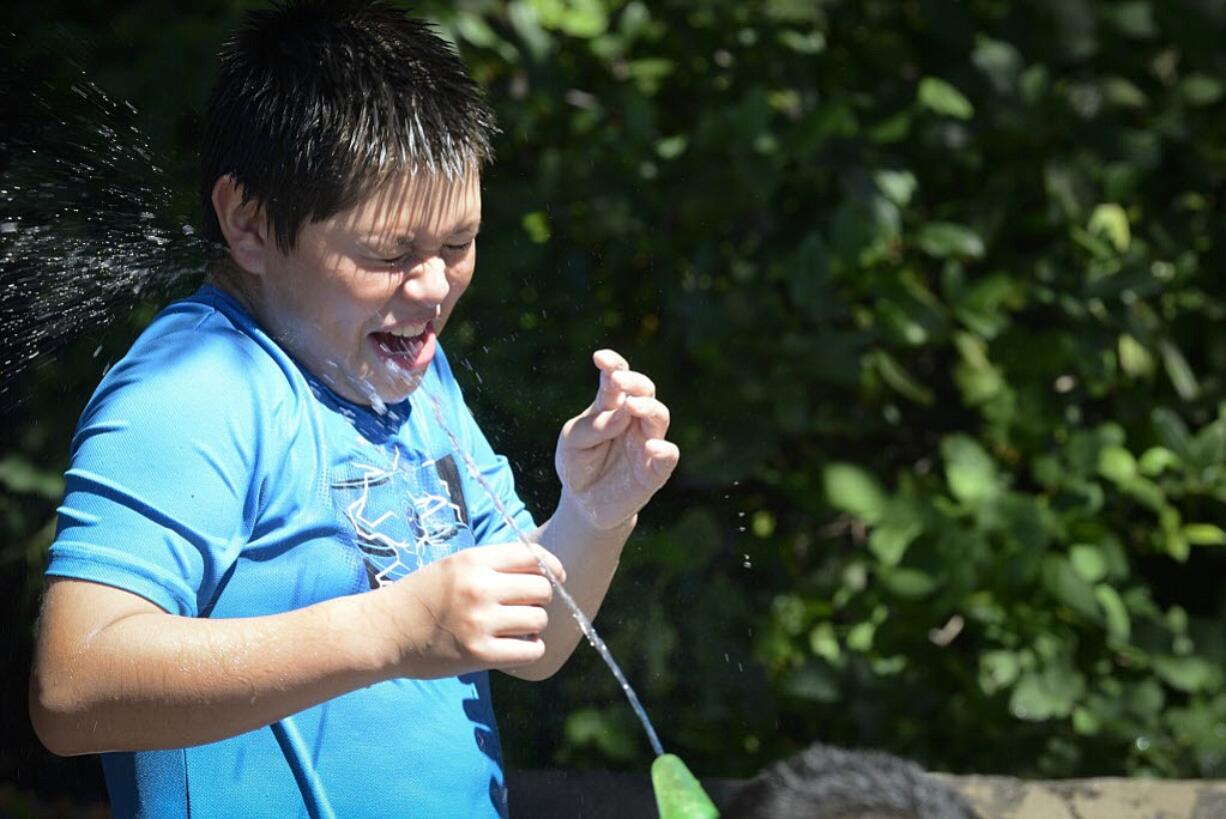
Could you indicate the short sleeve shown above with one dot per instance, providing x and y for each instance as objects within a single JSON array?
[
  {"x": 489, "y": 524},
  {"x": 163, "y": 484}
]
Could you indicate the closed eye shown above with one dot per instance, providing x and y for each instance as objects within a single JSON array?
[{"x": 409, "y": 257}]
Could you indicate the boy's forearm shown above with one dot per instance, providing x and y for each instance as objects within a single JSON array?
[
  {"x": 153, "y": 680},
  {"x": 590, "y": 557}
]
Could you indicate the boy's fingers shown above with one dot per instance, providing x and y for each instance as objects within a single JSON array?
[
  {"x": 609, "y": 394},
  {"x": 653, "y": 414},
  {"x": 607, "y": 359},
  {"x": 517, "y": 557},
  {"x": 521, "y": 621},
  {"x": 664, "y": 456},
  {"x": 523, "y": 589},
  {"x": 632, "y": 382},
  {"x": 515, "y": 650},
  {"x": 593, "y": 428}
]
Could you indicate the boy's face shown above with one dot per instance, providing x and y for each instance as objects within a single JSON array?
[{"x": 363, "y": 294}]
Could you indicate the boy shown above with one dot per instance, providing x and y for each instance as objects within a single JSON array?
[{"x": 276, "y": 589}]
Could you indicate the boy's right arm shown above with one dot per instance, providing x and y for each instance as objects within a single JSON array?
[{"x": 114, "y": 672}]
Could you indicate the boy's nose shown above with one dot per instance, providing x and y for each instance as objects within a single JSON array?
[{"x": 427, "y": 282}]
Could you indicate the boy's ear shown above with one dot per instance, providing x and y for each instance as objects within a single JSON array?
[{"x": 243, "y": 224}]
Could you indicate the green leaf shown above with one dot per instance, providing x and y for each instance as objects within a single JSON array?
[
  {"x": 813, "y": 682},
  {"x": 851, "y": 489},
  {"x": 1177, "y": 546},
  {"x": 898, "y": 186},
  {"x": 678, "y": 792},
  {"x": 1134, "y": 18},
  {"x": 527, "y": 24},
  {"x": 1122, "y": 92},
  {"x": 1135, "y": 359},
  {"x": 939, "y": 96},
  {"x": 900, "y": 380},
  {"x": 1115, "y": 614},
  {"x": 908, "y": 583},
  {"x": 591, "y": 726},
  {"x": 1000, "y": 62},
  {"x": 1178, "y": 370},
  {"x": 1145, "y": 492},
  {"x": 536, "y": 225},
  {"x": 1117, "y": 464},
  {"x": 983, "y": 307},
  {"x": 860, "y": 636},
  {"x": 825, "y": 644},
  {"x": 969, "y": 470},
  {"x": 1156, "y": 460},
  {"x": 1044, "y": 695},
  {"x": 1189, "y": 674},
  {"x": 763, "y": 523},
  {"x": 1063, "y": 583},
  {"x": 948, "y": 239},
  {"x": 1110, "y": 220},
  {"x": 20, "y": 476},
  {"x": 998, "y": 670},
  {"x": 889, "y": 540},
  {"x": 811, "y": 42},
  {"x": 578, "y": 18},
  {"x": 1088, "y": 561},
  {"x": 672, "y": 147},
  {"x": 1204, "y": 534},
  {"x": 1171, "y": 430},
  {"x": 891, "y": 129},
  {"x": 1201, "y": 90}
]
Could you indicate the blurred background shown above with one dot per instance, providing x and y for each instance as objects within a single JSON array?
[{"x": 934, "y": 289}]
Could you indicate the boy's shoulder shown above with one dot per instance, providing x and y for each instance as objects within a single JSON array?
[{"x": 203, "y": 352}]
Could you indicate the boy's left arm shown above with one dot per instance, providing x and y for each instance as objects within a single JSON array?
[{"x": 610, "y": 459}]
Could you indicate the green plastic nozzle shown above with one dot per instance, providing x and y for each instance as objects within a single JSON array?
[{"x": 678, "y": 794}]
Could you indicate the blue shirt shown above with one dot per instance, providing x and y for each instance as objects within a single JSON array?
[{"x": 213, "y": 476}]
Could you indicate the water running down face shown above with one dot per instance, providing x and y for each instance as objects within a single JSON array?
[{"x": 362, "y": 296}]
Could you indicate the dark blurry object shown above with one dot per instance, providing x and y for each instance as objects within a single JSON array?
[{"x": 831, "y": 783}]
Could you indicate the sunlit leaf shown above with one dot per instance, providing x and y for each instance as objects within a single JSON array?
[
  {"x": 971, "y": 473},
  {"x": 938, "y": 95},
  {"x": 946, "y": 239},
  {"x": 851, "y": 489}
]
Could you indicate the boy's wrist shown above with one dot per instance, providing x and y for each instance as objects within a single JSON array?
[
  {"x": 369, "y": 622},
  {"x": 572, "y": 511}
]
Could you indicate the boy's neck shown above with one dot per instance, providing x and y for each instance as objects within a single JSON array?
[{"x": 228, "y": 278}]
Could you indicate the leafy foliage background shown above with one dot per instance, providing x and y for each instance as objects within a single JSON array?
[{"x": 933, "y": 289}]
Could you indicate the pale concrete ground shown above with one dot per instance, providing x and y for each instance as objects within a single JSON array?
[
  {"x": 600, "y": 795},
  {"x": 999, "y": 797}
]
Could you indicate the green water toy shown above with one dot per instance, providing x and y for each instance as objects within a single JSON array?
[{"x": 678, "y": 794}]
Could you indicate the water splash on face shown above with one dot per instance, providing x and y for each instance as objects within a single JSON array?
[{"x": 86, "y": 225}]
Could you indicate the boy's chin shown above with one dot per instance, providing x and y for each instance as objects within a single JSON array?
[{"x": 396, "y": 387}]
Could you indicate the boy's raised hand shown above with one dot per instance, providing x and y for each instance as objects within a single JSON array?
[{"x": 613, "y": 457}]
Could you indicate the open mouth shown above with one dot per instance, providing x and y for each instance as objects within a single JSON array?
[{"x": 406, "y": 352}]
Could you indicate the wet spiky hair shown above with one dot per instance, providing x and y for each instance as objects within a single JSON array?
[{"x": 318, "y": 102}]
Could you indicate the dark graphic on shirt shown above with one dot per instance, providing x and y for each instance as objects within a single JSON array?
[{"x": 403, "y": 514}]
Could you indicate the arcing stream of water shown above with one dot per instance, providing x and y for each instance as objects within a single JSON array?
[
  {"x": 585, "y": 625},
  {"x": 85, "y": 236}
]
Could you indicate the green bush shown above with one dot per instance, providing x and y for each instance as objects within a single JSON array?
[{"x": 930, "y": 288}]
